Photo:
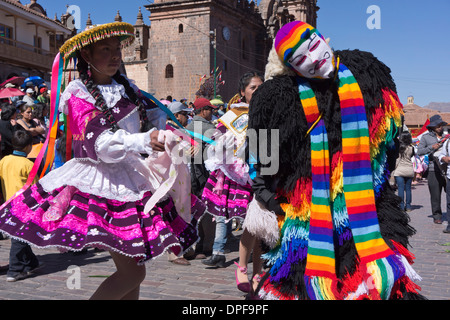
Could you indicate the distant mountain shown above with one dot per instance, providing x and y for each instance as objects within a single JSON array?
[{"x": 439, "y": 106}]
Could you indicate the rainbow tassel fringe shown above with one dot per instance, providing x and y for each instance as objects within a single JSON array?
[{"x": 381, "y": 272}]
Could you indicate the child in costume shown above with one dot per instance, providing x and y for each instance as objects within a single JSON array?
[
  {"x": 108, "y": 195},
  {"x": 228, "y": 189},
  {"x": 342, "y": 233},
  {"x": 14, "y": 171}
]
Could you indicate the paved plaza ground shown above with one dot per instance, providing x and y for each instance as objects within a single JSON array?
[{"x": 166, "y": 281}]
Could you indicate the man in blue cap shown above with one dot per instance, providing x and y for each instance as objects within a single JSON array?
[
  {"x": 181, "y": 112},
  {"x": 18, "y": 103}
]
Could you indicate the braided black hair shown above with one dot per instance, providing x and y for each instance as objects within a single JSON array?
[
  {"x": 86, "y": 78},
  {"x": 83, "y": 67},
  {"x": 405, "y": 141},
  {"x": 146, "y": 125}
]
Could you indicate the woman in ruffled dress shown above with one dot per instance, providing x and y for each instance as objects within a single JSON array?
[
  {"x": 97, "y": 198},
  {"x": 228, "y": 190}
]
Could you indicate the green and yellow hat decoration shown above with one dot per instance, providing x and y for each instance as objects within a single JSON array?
[{"x": 92, "y": 34}]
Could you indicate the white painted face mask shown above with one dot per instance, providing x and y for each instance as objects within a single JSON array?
[{"x": 313, "y": 58}]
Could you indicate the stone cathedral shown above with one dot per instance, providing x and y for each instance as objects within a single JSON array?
[{"x": 186, "y": 41}]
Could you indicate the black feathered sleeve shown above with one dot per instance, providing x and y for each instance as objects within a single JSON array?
[
  {"x": 384, "y": 114},
  {"x": 276, "y": 107}
]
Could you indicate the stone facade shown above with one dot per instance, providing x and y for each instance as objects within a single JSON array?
[
  {"x": 183, "y": 33},
  {"x": 31, "y": 40},
  {"x": 135, "y": 55},
  {"x": 173, "y": 55},
  {"x": 276, "y": 13},
  {"x": 182, "y": 45}
]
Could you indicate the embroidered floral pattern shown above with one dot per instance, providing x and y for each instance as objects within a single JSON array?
[
  {"x": 80, "y": 228},
  {"x": 10, "y": 222},
  {"x": 138, "y": 244},
  {"x": 45, "y": 237},
  {"x": 93, "y": 232}
]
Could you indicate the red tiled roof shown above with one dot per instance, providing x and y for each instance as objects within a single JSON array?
[{"x": 417, "y": 116}]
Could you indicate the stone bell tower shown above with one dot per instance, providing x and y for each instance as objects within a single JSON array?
[
  {"x": 277, "y": 13},
  {"x": 135, "y": 56},
  {"x": 192, "y": 39}
]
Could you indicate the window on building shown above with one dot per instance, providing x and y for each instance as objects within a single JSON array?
[
  {"x": 180, "y": 28},
  {"x": 244, "y": 50},
  {"x": 56, "y": 41},
  {"x": 225, "y": 65},
  {"x": 169, "y": 71},
  {"x": 37, "y": 44},
  {"x": 5, "y": 34}
]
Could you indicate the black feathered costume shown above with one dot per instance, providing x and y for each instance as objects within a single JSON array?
[{"x": 277, "y": 105}]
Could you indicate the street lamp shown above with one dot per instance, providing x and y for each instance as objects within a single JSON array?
[{"x": 213, "y": 35}]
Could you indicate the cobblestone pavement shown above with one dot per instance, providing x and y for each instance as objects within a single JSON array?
[{"x": 166, "y": 281}]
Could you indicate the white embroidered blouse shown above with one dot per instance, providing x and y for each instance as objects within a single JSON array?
[{"x": 120, "y": 172}]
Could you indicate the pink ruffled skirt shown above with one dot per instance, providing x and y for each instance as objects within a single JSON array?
[
  {"x": 72, "y": 220},
  {"x": 225, "y": 197}
]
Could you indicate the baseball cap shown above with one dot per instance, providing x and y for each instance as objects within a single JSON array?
[
  {"x": 217, "y": 102},
  {"x": 29, "y": 90},
  {"x": 176, "y": 107},
  {"x": 203, "y": 102},
  {"x": 19, "y": 103}
]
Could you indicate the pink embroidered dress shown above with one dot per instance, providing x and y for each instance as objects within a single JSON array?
[
  {"x": 98, "y": 197},
  {"x": 228, "y": 189}
]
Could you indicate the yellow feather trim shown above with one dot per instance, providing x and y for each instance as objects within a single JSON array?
[
  {"x": 337, "y": 180},
  {"x": 302, "y": 213}
]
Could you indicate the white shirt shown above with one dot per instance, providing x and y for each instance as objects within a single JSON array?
[
  {"x": 28, "y": 100},
  {"x": 444, "y": 152},
  {"x": 121, "y": 172}
]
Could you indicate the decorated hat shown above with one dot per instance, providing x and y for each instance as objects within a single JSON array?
[
  {"x": 92, "y": 34},
  {"x": 217, "y": 102},
  {"x": 291, "y": 36},
  {"x": 62, "y": 73},
  {"x": 436, "y": 121},
  {"x": 176, "y": 107}
]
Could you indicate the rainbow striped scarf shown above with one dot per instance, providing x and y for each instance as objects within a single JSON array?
[{"x": 357, "y": 174}]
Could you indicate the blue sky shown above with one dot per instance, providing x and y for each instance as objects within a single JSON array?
[
  {"x": 413, "y": 41},
  {"x": 413, "y": 38}
]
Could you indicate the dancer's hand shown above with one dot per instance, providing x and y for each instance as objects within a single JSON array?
[
  {"x": 192, "y": 151},
  {"x": 154, "y": 142},
  {"x": 274, "y": 205}
]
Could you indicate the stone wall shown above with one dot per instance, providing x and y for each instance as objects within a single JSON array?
[
  {"x": 180, "y": 37},
  {"x": 137, "y": 71}
]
